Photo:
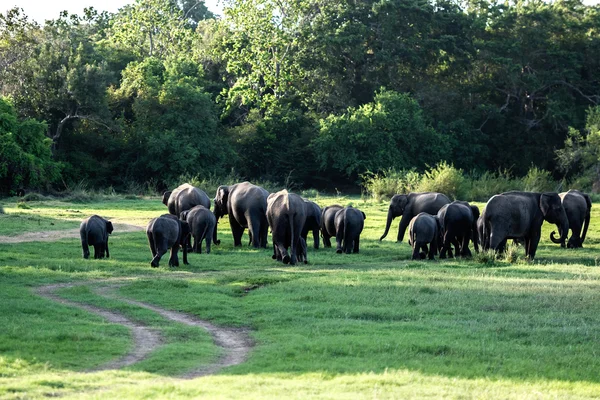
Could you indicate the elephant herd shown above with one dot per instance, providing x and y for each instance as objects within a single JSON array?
[{"x": 435, "y": 223}]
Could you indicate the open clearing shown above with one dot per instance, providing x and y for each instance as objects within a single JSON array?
[{"x": 237, "y": 324}]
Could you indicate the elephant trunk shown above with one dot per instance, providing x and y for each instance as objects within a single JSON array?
[
  {"x": 388, "y": 224},
  {"x": 554, "y": 239}
]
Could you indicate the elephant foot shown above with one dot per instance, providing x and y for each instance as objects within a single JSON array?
[
  {"x": 422, "y": 255},
  {"x": 274, "y": 257},
  {"x": 217, "y": 242},
  {"x": 154, "y": 265},
  {"x": 338, "y": 251},
  {"x": 305, "y": 261},
  {"x": 286, "y": 259}
]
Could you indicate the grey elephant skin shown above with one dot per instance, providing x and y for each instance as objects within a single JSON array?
[
  {"x": 202, "y": 224},
  {"x": 578, "y": 206},
  {"x": 183, "y": 198},
  {"x": 164, "y": 233},
  {"x": 94, "y": 231},
  {"x": 349, "y": 224},
  {"x": 313, "y": 222},
  {"x": 458, "y": 222},
  {"x": 286, "y": 214},
  {"x": 246, "y": 206},
  {"x": 519, "y": 216},
  {"x": 424, "y": 229},
  {"x": 409, "y": 205},
  {"x": 328, "y": 223}
]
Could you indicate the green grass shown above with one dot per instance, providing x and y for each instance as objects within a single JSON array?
[{"x": 344, "y": 326}]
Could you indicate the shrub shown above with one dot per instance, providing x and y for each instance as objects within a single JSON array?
[
  {"x": 444, "y": 178},
  {"x": 538, "y": 180},
  {"x": 484, "y": 186},
  {"x": 390, "y": 182}
]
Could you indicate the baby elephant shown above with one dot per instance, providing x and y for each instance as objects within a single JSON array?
[
  {"x": 166, "y": 232},
  {"x": 424, "y": 228},
  {"x": 94, "y": 231},
  {"x": 349, "y": 223},
  {"x": 202, "y": 223}
]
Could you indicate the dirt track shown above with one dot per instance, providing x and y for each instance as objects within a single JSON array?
[{"x": 52, "y": 236}]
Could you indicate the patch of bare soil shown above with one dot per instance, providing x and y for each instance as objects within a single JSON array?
[{"x": 52, "y": 236}]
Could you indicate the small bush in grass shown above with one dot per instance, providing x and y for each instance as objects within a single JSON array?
[
  {"x": 484, "y": 186},
  {"x": 444, "y": 178},
  {"x": 386, "y": 184},
  {"x": 310, "y": 193},
  {"x": 23, "y": 205},
  {"x": 511, "y": 254},
  {"x": 487, "y": 257},
  {"x": 34, "y": 197},
  {"x": 538, "y": 180}
]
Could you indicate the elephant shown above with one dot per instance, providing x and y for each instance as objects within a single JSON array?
[
  {"x": 409, "y": 205},
  {"x": 94, "y": 231},
  {"x": 328, "y": 223},
  {"x": 485, "y": 245},
  {"x": 349, "y": 223},
  {"x": 183, "y": 198},
  {"x": 286, "y": 214},
  {"x": 424, "y": 228},
  {"x": 520, "y": 215},
  {"x": 166, "y": 232},
  {"x": 202, "y": 223},
  {"x": 578, "y": 207},
  {"x": 246, "y": 206},
  {"x": 458, "y": 221},
  {"x": 313, "y": 221}
]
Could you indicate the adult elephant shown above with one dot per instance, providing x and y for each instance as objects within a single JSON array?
[
  {"x": 519, "y": 215},
  {"x": 409, "y": 205},
  {"x": 328, "y": 223},
  {"x": 246, "y": 206},
  {"x": 94, "y": 231},
  {"x": 313, "y": 221},
  {"x": 349, "y": 224},
  {"x": 578, "y": 207},
  {"x": 183, "y": 198},
  {"x": 286, "y": 214},
  {"x": 458, "y": 222}
]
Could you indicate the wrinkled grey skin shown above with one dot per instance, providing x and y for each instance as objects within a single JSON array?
[
  {"x": 166, "y": 232},
  {"x": 485, "y": 245},
  {"x": 246, "y": 206},
  {"x": 424, "y": 229},
  {"x": 349, "y": 223},
  {"x": 519, "y": 215},
  {"x": 458, "y": 221},
  {"x": 328, "y": 223},
  {"x": 184, "y": 197},
  {"x": 409, "y": 205},
  {"x": 313, "y": 222},
  {"x": 286, "y": 214},
  {"x": 202, "y": 224},
  {"x": 578, "y": 206},
  {"x": 94, "y": 231}
]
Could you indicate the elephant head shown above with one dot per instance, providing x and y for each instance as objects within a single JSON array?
[
  {"x": 554, "y": 212},
  {"x": 220, "y": 201},
  {"x": 396, "y": 209},
  {"x": 166, "y": 195}
]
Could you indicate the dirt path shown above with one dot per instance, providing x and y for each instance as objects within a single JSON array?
[
  {"x": 234, "y": 343},
  {"x": 52, "y": 236}
]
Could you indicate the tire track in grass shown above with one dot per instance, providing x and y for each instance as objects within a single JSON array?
[{"x": 235, "y": 343}]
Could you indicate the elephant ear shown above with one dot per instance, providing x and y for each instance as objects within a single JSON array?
[
  {"x": 222, "y": 195},
  {"x": 399, "y": 202},
  {"x": 165, "y": 198},
  {"x": 184, "y": 229},
  {"x": 546, "y": 200},
  {"x": 364, "y": 215},
  {"x": 475, "y": 211},
  {"x": 109, "y": 227}
]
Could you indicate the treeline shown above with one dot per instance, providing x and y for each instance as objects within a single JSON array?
[{"x": 303, "y": 93}]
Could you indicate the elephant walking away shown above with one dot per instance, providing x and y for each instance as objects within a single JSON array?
[
  {"x": 313, "y": 222},
  {"x": 424, "y": 229},
  {"x": 246, "y": 206},
  {"x": 409, "y": 205},
  {"x": 458, "y": 222},
  {"x": 328, "y": 223},
  {"x": 184, "y": 197},
  {"x": 166, "y": 232},
  {"x": 349, "y": 224},
  {"x": 578, "y": 207},
  {"x": 520, "y": 215},
  {"x": 286, "y": 214},
  {"x": 94, "y": 231},
  {"x": 202, "y": 224}
]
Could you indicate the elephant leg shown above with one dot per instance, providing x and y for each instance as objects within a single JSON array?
[
  {"x": 497, "y": 238},
  {"x": 416, "y": 255},
  {"x": 432, "y": 249},
  {"x": 254, "y": 230},
  {"x": 326, "y": 240},
  {"x": 106, "y": 248},
  {"x": 339, "y": 238},
  {"x": 464, "y": 251},
  {"x": 152, "y": 245},
  {"x": 315, "y": 238},
  {"x": 264, "y": 233},
  {"x": 160, "y": 251},
  {"x": 207, "y": 238},
  {"x": 534, "y": 241},
  {"x": 357, "y": 244},
  {"x": 97, "y": 251},
  {"x": 174, "y": 260},
  {"x": 237, "y": 231}
]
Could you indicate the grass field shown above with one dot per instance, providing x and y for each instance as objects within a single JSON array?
[{"x": 368, "y": 325}]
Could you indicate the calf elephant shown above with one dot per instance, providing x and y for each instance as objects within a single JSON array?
[
  {"x": 184, "y": 197},
  {"x": 578, "y": 207},
  {"x": 409, "y": 205},
  {"x": 286, "y": 214},
  {"x": 424, "y": 229},
  {"x": 202, "y": 224},
  {"x": 328, "y": 223},
  {"x": 519, "y": 215},
  {"x": 349, "y": 224},
  {"x": 166, "y": 232},
  {"x": 94, "y": 231},
  {"x": 313, "y": 222},
  {"x": 458, "y": 222},
  {"x": 246, "y": 206}
]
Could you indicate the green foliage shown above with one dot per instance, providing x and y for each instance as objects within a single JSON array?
[
  {"x": 538, "y": 180},
  {"x": 385, "y": 185},
  {"x": 444, "y": 178}
]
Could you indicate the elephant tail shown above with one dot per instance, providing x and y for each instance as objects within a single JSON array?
[{"x": 586, "y": 224}]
